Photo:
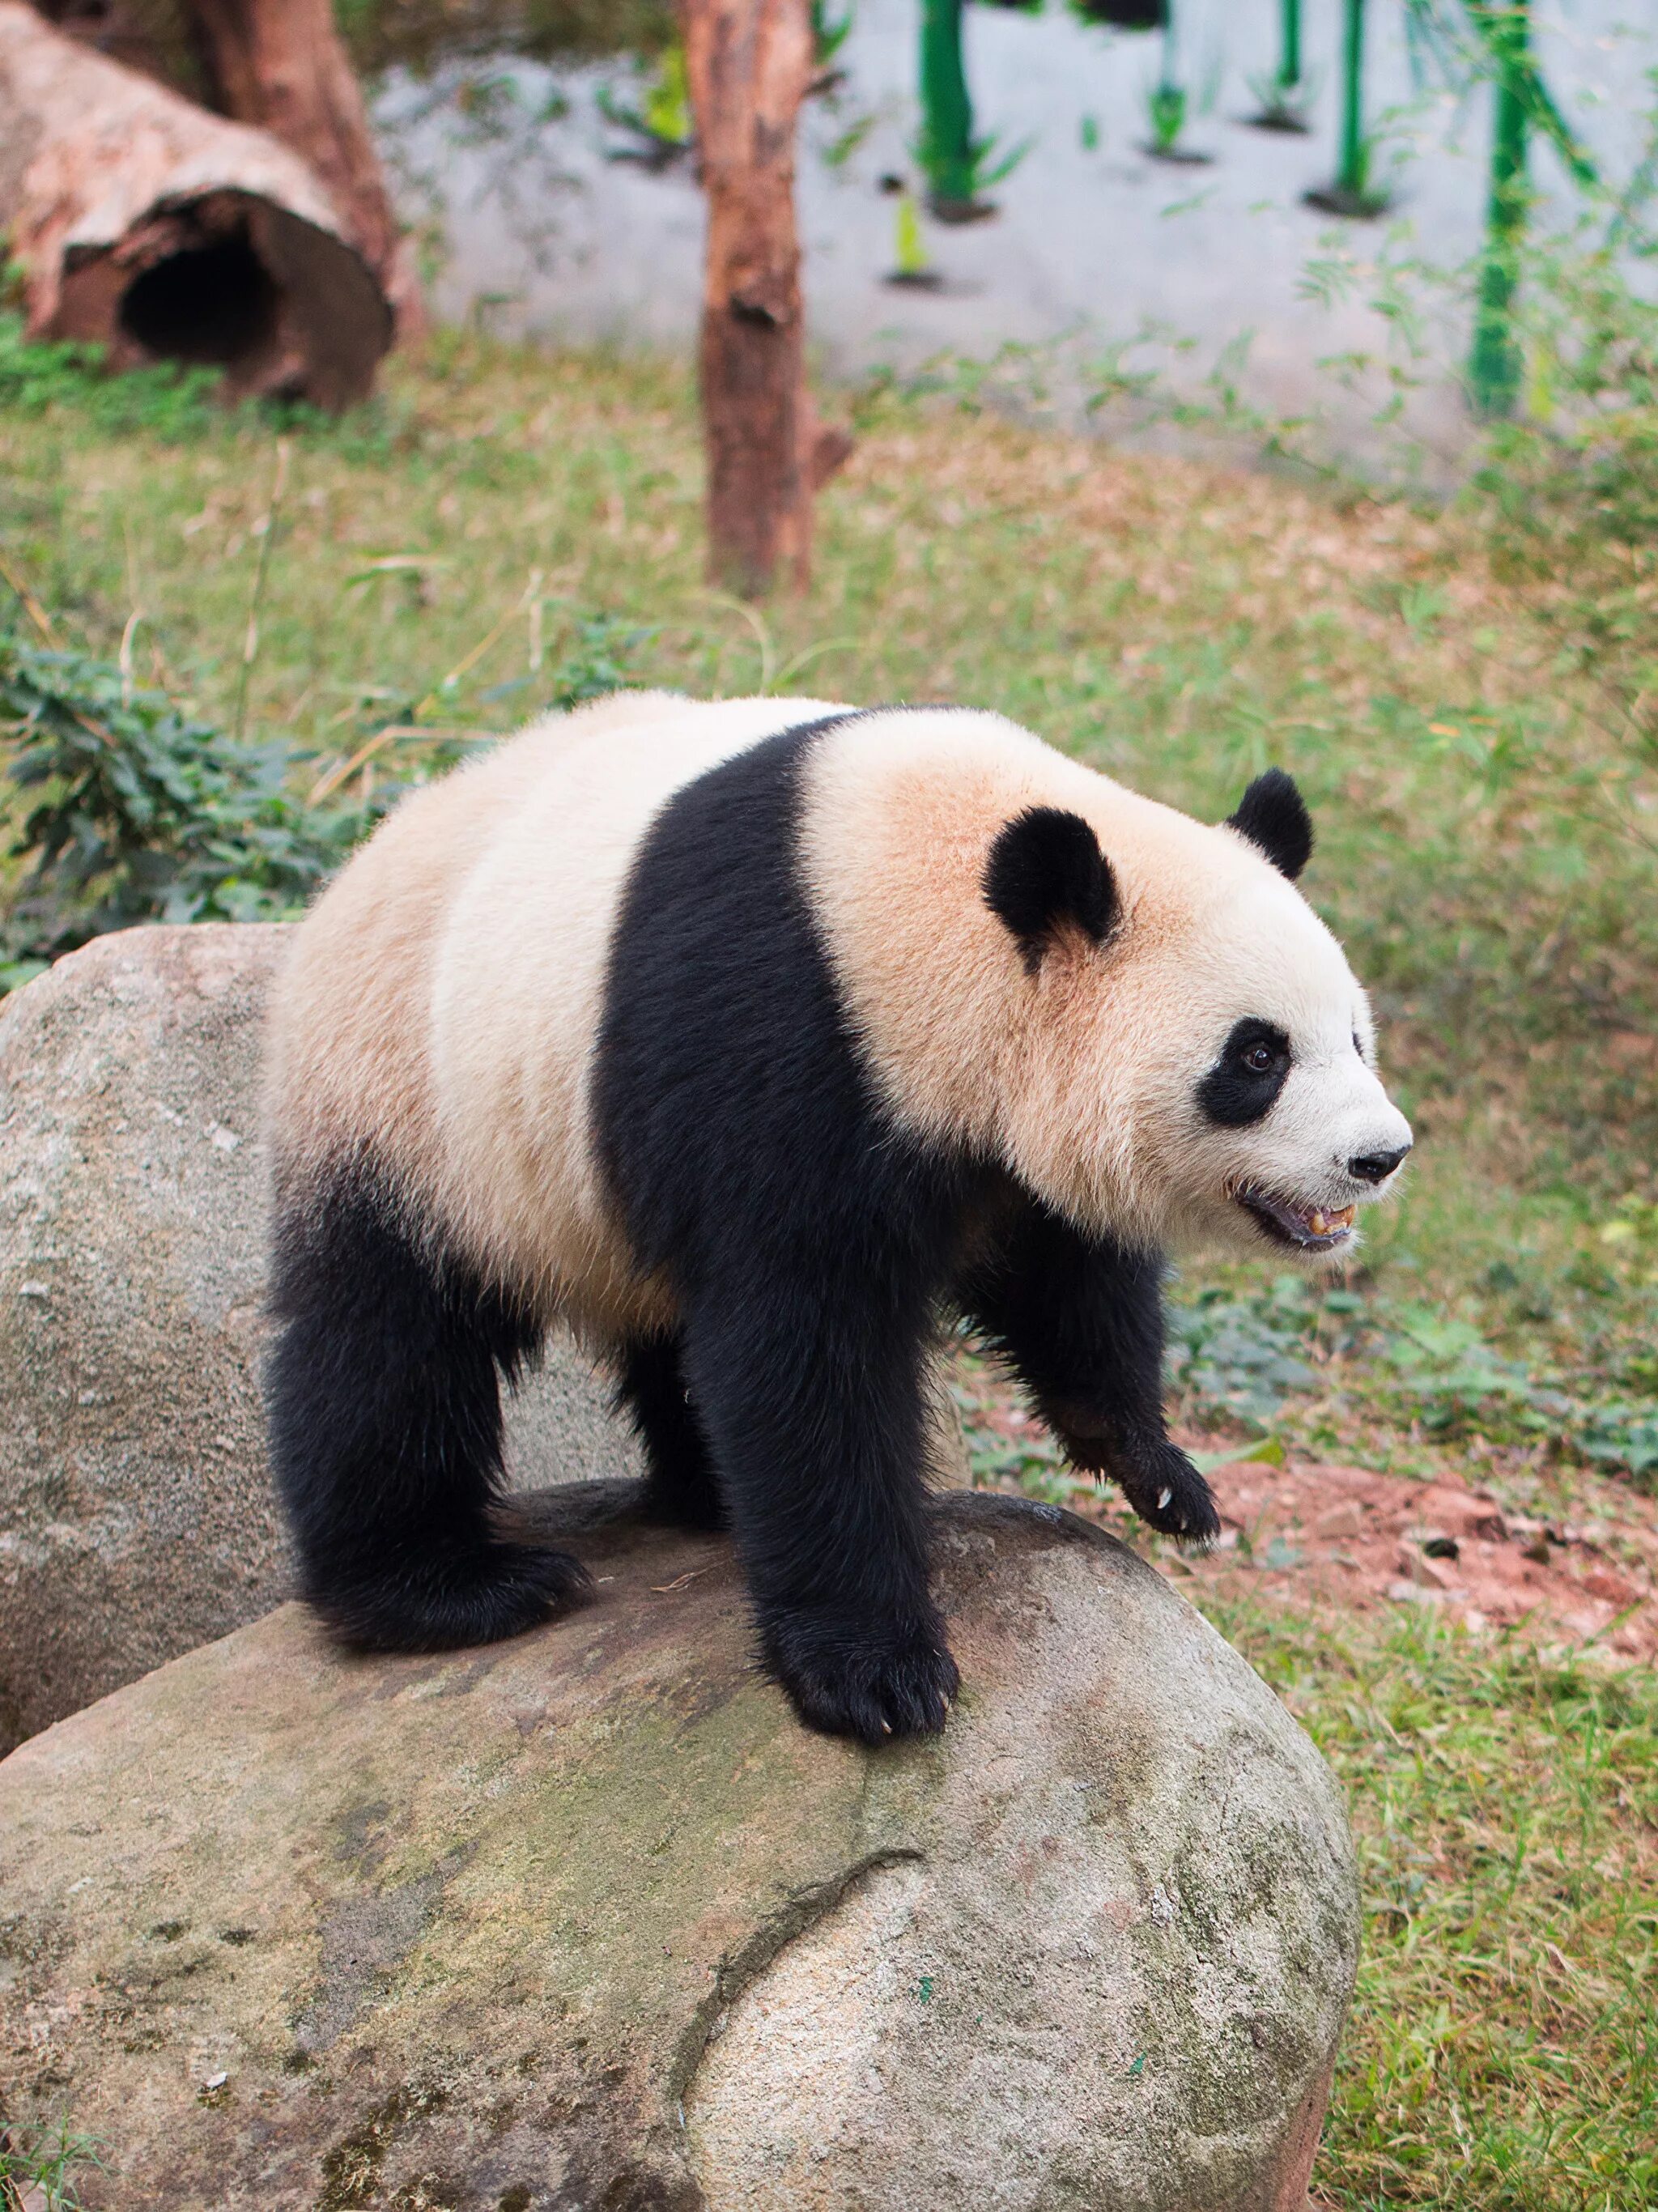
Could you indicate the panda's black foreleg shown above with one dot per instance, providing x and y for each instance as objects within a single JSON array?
[
  {"x": 383, "y": 1397},
  {"x": 810, "y": 1390},
  {"x": 681, "y": 1486},
  {"x": 1079, "y": 1320}
]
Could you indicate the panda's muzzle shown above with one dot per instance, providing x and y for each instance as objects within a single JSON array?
[{"x": 1302, "y": 1228}]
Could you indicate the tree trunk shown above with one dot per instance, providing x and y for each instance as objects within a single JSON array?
[
  {"x": 283, "y": 65},
  {"x": 165, "y": 233},
  {"x": 750, "y": 62}
]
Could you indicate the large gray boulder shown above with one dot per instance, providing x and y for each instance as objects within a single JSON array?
[
  {"x": 135, "y": 1515},
  {"x": 586, "y": 1920}
]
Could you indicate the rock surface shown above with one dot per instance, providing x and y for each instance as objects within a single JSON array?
[
  {"x": 585, "y": 1920},
  {"x": 135, "y": 1515}
]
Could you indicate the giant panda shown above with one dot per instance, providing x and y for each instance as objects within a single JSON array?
[{"x": 750, "y": 1038}]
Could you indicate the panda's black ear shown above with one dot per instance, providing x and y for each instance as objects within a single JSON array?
[
  {"x": 1046, "y": 869},
  {"x": 1273, "y": 814}
]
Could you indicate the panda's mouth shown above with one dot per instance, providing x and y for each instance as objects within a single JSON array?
[{"x": 1303, "y": 1228}]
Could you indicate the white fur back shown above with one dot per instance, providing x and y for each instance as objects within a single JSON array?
[{"x": 439, "y": 1008}]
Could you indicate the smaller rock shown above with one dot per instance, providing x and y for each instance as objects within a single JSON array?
[{"x": 1425, "y": 1570}]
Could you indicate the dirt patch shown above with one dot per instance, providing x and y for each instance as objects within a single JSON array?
[
  {"x": 1309, "y": 1531},
  {"x": 1346, "y": 1533}
]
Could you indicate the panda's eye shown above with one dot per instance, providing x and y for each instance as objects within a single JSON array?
[
  {"x": 1245, "y": 1082},
  {"x": 1257, "y": 1049}
]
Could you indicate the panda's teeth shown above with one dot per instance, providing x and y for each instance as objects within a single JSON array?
[{"x": 1315, "y": 1228}]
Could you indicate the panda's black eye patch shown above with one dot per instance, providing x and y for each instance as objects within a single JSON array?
[{"x": 1244, "y": 1082}]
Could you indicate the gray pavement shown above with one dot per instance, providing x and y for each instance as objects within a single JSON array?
[{"x": 1093, "y": 240}]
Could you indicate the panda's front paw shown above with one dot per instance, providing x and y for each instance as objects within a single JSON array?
[
  {"x": 872, "y": 1682},
  {"x": 1168, "y": 1492},
  {"x": 1157, "y": 1477}
]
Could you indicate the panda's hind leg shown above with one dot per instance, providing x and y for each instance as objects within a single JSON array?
[
  {"x": 384, "y": 1402},
  {"x": 681, "y": 1486}
]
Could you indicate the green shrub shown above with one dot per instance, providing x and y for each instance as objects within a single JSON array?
[
  {"x": 1237, "y": 1355},
  {"x": 1247, "y": 1355},
  {"x": 172, "y": 401},
  {"x": 132, "y": 810}
]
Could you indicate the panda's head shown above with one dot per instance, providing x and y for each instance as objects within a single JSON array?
[{"x": 1204, "y": 1057}]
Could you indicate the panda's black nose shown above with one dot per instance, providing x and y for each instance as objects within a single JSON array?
[{"x": 1376, "y": 1167}]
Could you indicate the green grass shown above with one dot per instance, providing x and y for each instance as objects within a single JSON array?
[
  {"x": 54, "y": 2161},
  {"x": 1503, "y": 2055},
  {"x": 1483, "y": 849}
]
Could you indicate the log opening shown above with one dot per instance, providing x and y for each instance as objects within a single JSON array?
[{"x": 212, "y": 304}]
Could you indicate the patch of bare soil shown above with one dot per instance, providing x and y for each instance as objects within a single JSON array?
[
  {"x": 1308, "y": 1531},
  {"x": 1311, "y": 1529}
]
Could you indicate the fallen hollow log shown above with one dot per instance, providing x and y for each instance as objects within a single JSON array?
[
  {"x": 283, "y": 65},
  {"x": 165, "y": 233}
]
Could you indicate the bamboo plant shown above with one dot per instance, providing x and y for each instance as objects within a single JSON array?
[
  {"x": 1284, "y": 95},
  {"x": 958, "y": 167},
  {"x": 1469, "y": 40},
  {"x": 1495, "y": 364},
  {"x": 1166, "y": 102},
  {"x": 1521, "y": 102},
  {"x": 946, "y": 142},
  {"x": 1353, "y": 193}
]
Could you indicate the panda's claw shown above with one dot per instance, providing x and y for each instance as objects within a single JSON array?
[
  {"x": 876, "y": 1685},
  {"x": 1155, "y": 1476},
  {"x": 1171, "y": 1497}
]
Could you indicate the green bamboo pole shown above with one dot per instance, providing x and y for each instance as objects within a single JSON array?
[
  {"x": 1167, "y": 105},
  {"x": 1351, "y": 194},
  {"x": 1282, "y": 93},
  {"x": 1288, "y": 60},
  {"x": 946, "y": 148},
  {"x": 1350, "y": 172},
  {"x": 1495, "y": 367}
]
